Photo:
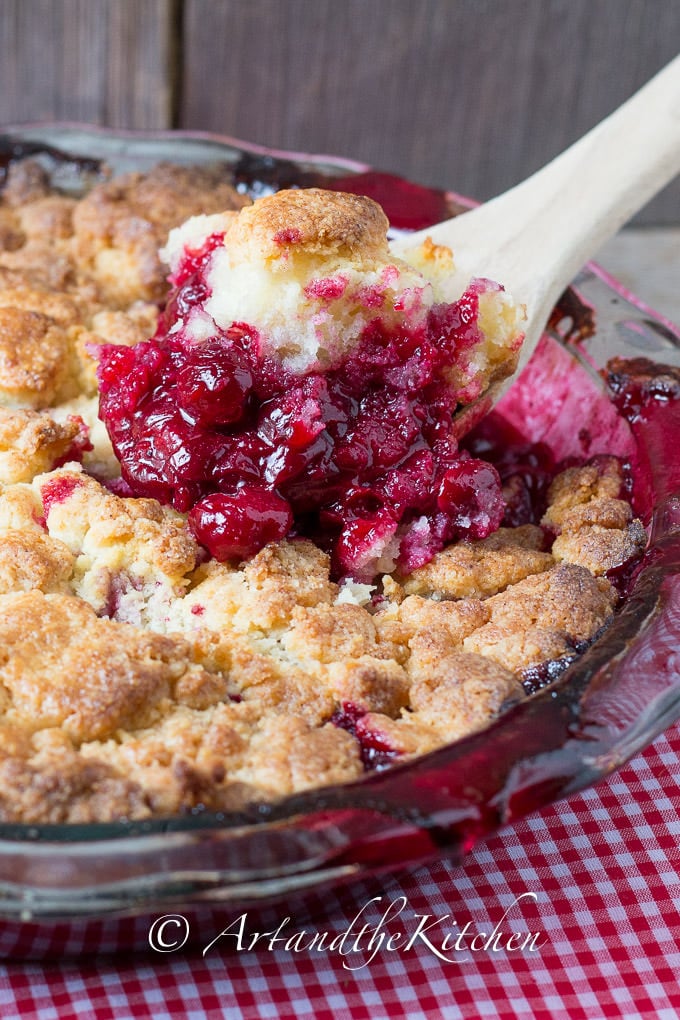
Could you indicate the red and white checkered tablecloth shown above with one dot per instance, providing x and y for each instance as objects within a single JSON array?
[{"x": 590, "y": 887}]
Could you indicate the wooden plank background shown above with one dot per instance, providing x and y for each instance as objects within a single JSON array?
[
  {"x": 95, "y": 61},
  {"x": 470, "y": 94}
]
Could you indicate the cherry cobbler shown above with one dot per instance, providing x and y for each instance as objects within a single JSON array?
[{"x": 245, "y": 549}]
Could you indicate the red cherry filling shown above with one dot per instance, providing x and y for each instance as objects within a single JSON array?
[
  {"x": 194, "y": 260},
  {"x": 361, "y": 458},
  {"x": 374, "y": 748},
  {"x": 526, "y": 469},
  {"x": 213, "y": 383},
  {"x": 468, "y": 496},
  {"x": 237, "y": 526}
]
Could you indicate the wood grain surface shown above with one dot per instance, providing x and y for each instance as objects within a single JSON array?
[
  {"x": 468, "y": 94},
  {"x": 96, "y": 61}
]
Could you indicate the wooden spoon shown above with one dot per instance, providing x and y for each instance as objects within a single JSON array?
[{"x": 535, "y": 237}]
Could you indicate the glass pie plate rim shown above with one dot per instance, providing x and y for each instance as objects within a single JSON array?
[{"x": 410, "y": 813}]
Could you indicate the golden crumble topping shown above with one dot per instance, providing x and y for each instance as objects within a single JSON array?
[
  {"x": 483, "y": 568},
  {"x": 595, "y": 528},
  {"x": 120, "y": 226},
  {"x": 32, "y": 442},
  {"x": 139, "y": 680}
]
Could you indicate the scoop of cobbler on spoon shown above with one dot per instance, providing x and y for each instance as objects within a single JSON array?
[{"x": 304, "y": 381}]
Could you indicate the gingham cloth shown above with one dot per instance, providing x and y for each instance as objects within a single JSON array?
[{"x": 590, "y": 887}]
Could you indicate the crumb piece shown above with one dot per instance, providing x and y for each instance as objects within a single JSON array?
[
  {"x": 120, "y": 226},
  {"x": 286, "y": 755},
  {"x": 462, "y": 693},
  {"x": 542, "y": 616},
  {"x": 11, "y": 234},
  {"x": 263, "y": 593},
  {"x": 458, "y": 695},
  {"x": 600, "y": 549},
  {"x": 30, "y": 560},
  {"x": 186, "y": 759},
  {"x": 482, "y": 568},
  {"x": 20, "y": 509},
  {"x": 312, "y": 222},
  {"x": 64, "y": 309},
  {"x": 27, "y": 181},
  {"x": 32, "y": 442},
  {"x": 579, "y": 486},
  {"x": 35, "y": 360},
  {"x": 62, "y": 666},
  {"x": 496, "y": 356},
  {"x": 371, "y": 684},
  {"x": 40, "y": 262},
  {"x": 100, "y": 461},
  {"x": 60, "y": 788},
  {"x": 594, "y": 527},
  {"x": 418, "y": 617},
  {"x": 331, "y": 633},
  {"x": 47, "y": 219},
  {"x": 132, "y": 555}
]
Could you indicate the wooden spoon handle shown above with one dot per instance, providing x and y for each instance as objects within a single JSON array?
[{"x": 537, "y": 235}]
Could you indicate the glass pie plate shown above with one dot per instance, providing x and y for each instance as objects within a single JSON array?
[{"x": 74, "y": 889}]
